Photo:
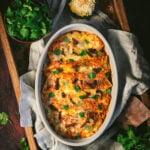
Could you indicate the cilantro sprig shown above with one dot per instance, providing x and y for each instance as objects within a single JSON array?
[
  {"x": 24, "y": 144},
  {"x": 131, "y": 138},
  {"x": 4, "y": 118}
]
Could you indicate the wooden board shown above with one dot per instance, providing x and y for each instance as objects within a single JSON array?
[{"x": 114, "y": 8}]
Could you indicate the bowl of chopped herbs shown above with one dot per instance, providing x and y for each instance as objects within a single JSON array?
[{"x": 28, "y": 20}]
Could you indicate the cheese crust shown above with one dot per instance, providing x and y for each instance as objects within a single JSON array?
[{"x": 76, "y": 89}]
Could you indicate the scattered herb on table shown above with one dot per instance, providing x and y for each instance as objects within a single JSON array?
[
  {"x": 27, "y": 20},
  {"x": 134, "y": 139},
  {"x": 3, "y": 118},
  {"x": 24, "y": 144}
]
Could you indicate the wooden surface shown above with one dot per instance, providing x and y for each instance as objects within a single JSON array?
[
  {"x": 14, "y": 78},
  {"x": 17, "y": 60}
]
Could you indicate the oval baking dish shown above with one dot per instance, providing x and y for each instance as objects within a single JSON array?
[{"x": 113, "y": 91}]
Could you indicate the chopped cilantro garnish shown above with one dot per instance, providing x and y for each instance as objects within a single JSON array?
[
  {"x": 82, "y": 97},
  {"x": 46, "y": 110},
  {"x": 65, "y": 39},
  {"x": 57, "y": 71},
  {"x": 108, "y": 91},
  {"x": 88, "y": 127},
  {"x": 51, "y": 95},
  {"x": 59, "y": 122},
  {"x": 84, "y": 64},
  {"x": 77, "y": 88},
  {"x": 71, "y": 60},
  {"x": 57, "y": 52},
  {"x": 3, "y": 118},
  {"x": 99, "y": 53},
  {"x": 66, "y": 107},
  {"x": 92, "y": 75},
  {"x": 95, "y": 97},
  {"x": 65, "y": 83},
  {"x": 100, "y": 107},
  {"x": 77, "y": 134},
  {"x": 79, "y": 104},
  {"x": 86, "y": 41},
  {"x": 81, "y": 114},
  {"x": 84, "y": 52}
]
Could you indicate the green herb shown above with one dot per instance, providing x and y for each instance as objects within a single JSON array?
[
  {"x": 77, "y": 88},
  {"x": 82, "y": 96},
  {"x": 57, "y": 52},
  {"x": 99, "y": 53},
  {"x": 71, "y": 60},
  {"x": 65, "y": 39},
  {"x": 108, "y": 91},
  {"x": 92, "y": 75},
  {"x": 100, "y": 107},
  {"x": 86, "y": 41},
  {"x": 132, "y": 139},
  {"x": 66, "y": 107},
  {"x": 77, "y": 134},
  {"x": 84, "y": 52},
  {"x": 65, "y": 83},
  {"x": 81, "y": 114},
  {"x": 84, "y": 64},
  {"x": 57, "y": 71},
  {"x": 27, "y": 20},
  {"x": 59, "y": 122},
  {"x": 95, "y": 97},
  {"x": 46, "y": 110},
  {"x": 88, "y": 127},
  {"x": 3, "y": 118},
  {"x": 51, "y": 95},
  {"x": 24, "y": 144},
  {"x": 79, "y": 104}
]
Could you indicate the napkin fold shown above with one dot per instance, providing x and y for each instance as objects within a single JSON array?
[{"x": 133, "y": 76}]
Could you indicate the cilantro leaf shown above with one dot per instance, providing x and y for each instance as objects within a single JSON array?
[
  {"x": 92, "y": 75},
  {"x": 84, "y": 52},
  {"x": 82, "y": 114},
  {"x": 57, "y": 52},
  {"x": 66, "y": 107},
  {"x": 65, "y": 39},
  {"x": 24, "y": 144},
  {"x": 77, "y": 88},
  {"x": 24, "y": 33},
  {"x": 3, "y": 118}
]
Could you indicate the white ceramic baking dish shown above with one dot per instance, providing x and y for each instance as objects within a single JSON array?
[{"x": 83, "y": 141}]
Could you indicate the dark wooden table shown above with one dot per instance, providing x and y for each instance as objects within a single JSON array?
[{"x": 11, "y": 134}]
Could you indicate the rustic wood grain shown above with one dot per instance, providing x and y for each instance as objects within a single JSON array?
[
  {"x": 121, "y": 14},
  {"x": 10, "y": 134},
  {"x": 14, "y": 77}
]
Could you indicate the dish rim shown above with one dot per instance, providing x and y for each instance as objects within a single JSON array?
[{"x": 114, "y": 93}]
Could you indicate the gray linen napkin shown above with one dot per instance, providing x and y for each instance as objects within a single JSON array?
[{"x": 133, "y": 71}]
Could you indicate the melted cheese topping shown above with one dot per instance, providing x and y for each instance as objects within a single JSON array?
[{"x": 77, "y": 84}]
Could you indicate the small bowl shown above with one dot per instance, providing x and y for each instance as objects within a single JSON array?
[
  {"x": 114, "y": 93},
  {"x": 15, "y": 38}
]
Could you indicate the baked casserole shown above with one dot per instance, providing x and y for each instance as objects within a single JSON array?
[{"x": 77, "y": 83}]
